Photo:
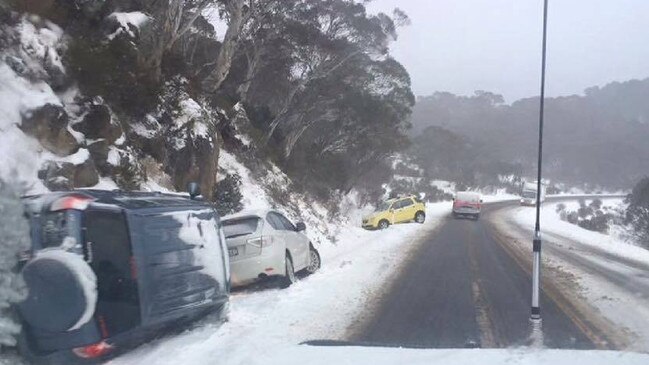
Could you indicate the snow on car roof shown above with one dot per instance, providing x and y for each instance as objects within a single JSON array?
[
  {"x": 125, "y": 199},
  {"x": 467, "y": 195}
]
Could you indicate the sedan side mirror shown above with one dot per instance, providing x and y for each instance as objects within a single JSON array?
[{"x": 300, "y": 226}]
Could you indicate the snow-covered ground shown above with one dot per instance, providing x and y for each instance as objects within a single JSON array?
[
  {"x": 550, "y": 222},
  {"x": 609, "y": 273},
  {"x": 325, "y": 305}
]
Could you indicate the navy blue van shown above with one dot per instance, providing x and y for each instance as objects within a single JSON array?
[{"x": 110, "y": 269}]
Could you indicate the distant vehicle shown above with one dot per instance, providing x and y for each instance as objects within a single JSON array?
[
  {"x": 265, "y": 244},
  {"x": 528, "y": 194},
  {"x": 108, "y": 270},
  {"x": 396, "y": 210},
  {"x": 467, "y": 204}
]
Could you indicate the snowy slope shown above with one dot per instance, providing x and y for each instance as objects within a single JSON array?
[{"x": 551, "y": 222}]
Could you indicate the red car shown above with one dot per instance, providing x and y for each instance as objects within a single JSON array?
[{"x": 467, "y": 204}]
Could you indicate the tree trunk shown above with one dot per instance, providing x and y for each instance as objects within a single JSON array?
[
  {"x": 159, "y": 37},
  {"x": 224, "y": 60},
  {"x": 253, "y": 63}
]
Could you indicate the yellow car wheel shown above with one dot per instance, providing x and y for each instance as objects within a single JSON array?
[
  {"x": 420, "y": 217},
  {"x": 384, "y": 224}
]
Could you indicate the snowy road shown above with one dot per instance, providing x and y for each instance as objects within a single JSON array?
[
  {"x": 465, "y": 288},
  {"x": 612, "y": 277}
]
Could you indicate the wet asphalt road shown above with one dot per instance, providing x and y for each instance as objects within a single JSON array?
[{"x": 462, "y": 289}]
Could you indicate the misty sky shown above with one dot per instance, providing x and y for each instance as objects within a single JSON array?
[{"x": 466, "y": 45}]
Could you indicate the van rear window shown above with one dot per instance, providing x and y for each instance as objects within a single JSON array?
[{"x": 240, "y": 227}]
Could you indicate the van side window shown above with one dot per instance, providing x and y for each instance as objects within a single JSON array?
[{"x": 107, "y": 241}]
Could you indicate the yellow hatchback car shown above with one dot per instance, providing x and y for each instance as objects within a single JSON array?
[{"x": 397, "y": 210}]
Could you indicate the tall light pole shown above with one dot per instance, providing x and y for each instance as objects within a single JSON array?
[{"x": 536, "y": 242}]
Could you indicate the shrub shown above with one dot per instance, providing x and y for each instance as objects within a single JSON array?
[
  {"x": 598, "y": 223},
  {"x": 596, "y": 204},
  {"x": 227, "y": 194},
  {"x": 637, "y": 213}
]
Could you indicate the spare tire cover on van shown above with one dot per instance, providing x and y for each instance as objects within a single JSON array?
[{"x": 62, "y": 291}]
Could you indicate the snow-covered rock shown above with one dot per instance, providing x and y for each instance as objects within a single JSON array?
[{"x": 126, "y": 23}]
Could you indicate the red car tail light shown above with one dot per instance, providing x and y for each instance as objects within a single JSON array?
[
  {"x": 93, "y": 351},
  {"x": 78, "y": 202}
]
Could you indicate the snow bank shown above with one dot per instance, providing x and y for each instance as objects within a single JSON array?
[
  {"x": 550, "y": 222},
  {"x": 22, "y": 155},
  {"x": 325, "y": 305},
  {"x": 39, "y": 45}
]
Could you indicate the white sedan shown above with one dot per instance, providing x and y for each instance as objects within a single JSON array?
[{"x": 263, "y": 244}]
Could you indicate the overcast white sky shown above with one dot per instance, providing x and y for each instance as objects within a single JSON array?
[{"x": 495, "y": 45}]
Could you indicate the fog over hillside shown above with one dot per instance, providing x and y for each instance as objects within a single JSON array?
[{"x": 599, "y": 137}]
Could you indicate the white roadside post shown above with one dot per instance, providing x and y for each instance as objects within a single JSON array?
[{"x": 536, "y": 243}]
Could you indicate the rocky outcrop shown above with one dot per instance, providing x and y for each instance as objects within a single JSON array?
[
  {"x": 49, "y": 125},
  {"x": 98, "y": 123},
  {"x": 66, "y": 175}
]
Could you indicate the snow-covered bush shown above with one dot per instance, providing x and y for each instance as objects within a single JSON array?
[
  {"x": 637, "y": 213},
  {"x": 227, "y": 194},
  {"x": 592, "y": 216},
  {"x": 14, "y": 238}
]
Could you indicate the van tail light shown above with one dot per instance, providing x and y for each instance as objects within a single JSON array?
[
  {"x": 78, "y": 202},
  {"x": 93, "y": 351},
  {"x": 260, "y": 241}
]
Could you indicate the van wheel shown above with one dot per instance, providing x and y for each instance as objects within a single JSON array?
[
  {"x": 420, "y": 217},
  {"x": 314, "y": 260},
  {"x": 289, "y": 277},
  {"x": 384, "y": 224}
]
